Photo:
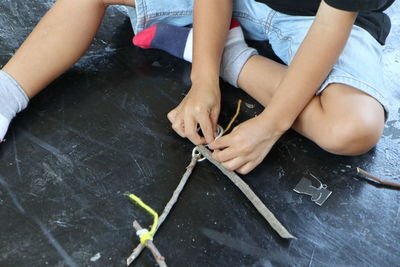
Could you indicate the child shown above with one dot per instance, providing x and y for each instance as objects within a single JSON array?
[{"x": 330, "y": 92}]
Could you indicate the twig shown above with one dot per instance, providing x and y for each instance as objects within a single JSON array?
[
  {"x": 150, "y": 245},
  {"x": 239, "y": 104},
  {"x": 262, "y": 209},
  {"x": 377, "y": 179},
  {"x": 136, "y": 252},
  {"x": 178, "y": 190}
]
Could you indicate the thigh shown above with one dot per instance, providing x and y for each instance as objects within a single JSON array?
[
  {"x": 342, "y": 102},
  {"x": 353, "y": 120},
  {"x": 359, "y": 66},
  {"x": 150, "y": 12},
  {"x": 119, "y": 2},
  {"x": 253, "y": 16},
  {"x": 337, "y": 108},
  {"x": 342, "y": 120}
]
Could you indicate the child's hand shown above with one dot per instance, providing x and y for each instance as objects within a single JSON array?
[
  {"x": 247, "y": 145},
  {"x": 200, "y": 106}
]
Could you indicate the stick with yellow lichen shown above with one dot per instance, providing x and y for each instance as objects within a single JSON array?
[{"x": 189, "y": 169}]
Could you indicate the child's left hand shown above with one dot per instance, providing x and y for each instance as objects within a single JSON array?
[{"x": 246, "y": 146}]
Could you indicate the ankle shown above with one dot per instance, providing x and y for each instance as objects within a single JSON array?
[
  {"x": 4, "y": 122},
  {"x": 13, "y": 99}
]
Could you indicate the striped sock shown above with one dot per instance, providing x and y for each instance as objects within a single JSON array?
[{"x": 178, "y": 41}]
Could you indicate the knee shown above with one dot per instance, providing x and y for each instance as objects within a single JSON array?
[{"x": 353, "y": 137}]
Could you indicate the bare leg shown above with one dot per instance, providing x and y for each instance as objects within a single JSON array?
[
  {"x": 57, "y": 42},
  {"x": 342, "y": 120}
]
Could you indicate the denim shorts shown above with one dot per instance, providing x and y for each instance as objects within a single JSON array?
[{"x": 359, "y": 65}]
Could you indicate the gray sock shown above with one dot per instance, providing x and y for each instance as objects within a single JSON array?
[
  {"x": 236, "y": 53},
  {"x": 13, "y": 99}
]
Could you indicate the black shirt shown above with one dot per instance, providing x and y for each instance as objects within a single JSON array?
[{"x": 370, "y": 16}]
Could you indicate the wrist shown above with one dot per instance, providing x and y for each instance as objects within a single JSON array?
[
  {"x": 278, "y": 124},
  {"x": 205, "y": 76},
  {"x": 205, "y": 82}
]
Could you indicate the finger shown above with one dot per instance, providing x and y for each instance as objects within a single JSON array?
[
  {"x": 191, "y": 131},
  {"x": 225, "y": 155},
  {"x": 206, "y": 128},
  {"x": 179, "y": 127},
  {"x": 221, "y": 143},
  {"x": 235, "y": 163},
  {"x": 235, "y": 129},
  {"x": 248, "y": 167},
  {"x": 172, "y": 115}
]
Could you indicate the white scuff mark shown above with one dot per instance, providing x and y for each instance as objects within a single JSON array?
[
  {"x": 61, "y": 251},
  {"x": 249, "y": 105},
  {"x": 61, "y": 223},
  {"x": 156, "y": 64},
  {"x": 96, "y": 257}
]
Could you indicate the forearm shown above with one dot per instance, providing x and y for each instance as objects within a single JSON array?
[
  {"x": 210, "y": 28},
  {"x": 310, "y": 66}
]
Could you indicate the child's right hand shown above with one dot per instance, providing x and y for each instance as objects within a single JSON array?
[{"x": 201, "y": 106}]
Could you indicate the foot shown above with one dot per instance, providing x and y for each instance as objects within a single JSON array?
[
  {"x": 178, "y": 41},
  {"x": 13, "y": 99},
  {"x": 4, "y": 122}
]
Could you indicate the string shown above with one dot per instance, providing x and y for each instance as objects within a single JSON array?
[
  {"x": 145, "y": 235},
  {"x": 239, "y": 104}
]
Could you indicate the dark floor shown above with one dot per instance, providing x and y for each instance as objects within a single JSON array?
[{"x": 101, "y": 130}]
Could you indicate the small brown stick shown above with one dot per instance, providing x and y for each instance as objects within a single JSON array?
[
  {"x": 377, "y": 179},
  {"x": 239, "y": 105},
  {"x": 150, "y": 245},
  {"x": 136, "y": 252},
  {"x": 258, "y": 204}
]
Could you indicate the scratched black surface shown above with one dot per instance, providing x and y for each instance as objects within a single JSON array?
[{"x": 101, "y": 129}]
